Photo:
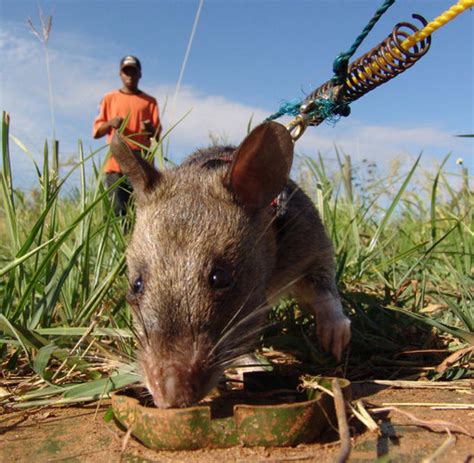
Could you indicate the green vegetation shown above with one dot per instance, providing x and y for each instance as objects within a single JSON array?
[{"x": 404, "y": 263}]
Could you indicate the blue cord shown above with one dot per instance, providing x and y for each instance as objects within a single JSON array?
[{"x": 341, "y": 62}]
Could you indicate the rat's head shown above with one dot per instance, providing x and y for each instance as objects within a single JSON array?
[{"x": 199, "y": 260}]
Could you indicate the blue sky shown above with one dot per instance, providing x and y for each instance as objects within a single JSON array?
[{"x": 246, "y": 57}]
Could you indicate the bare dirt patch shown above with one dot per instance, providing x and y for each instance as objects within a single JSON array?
[{"x": 81, "y": 434}]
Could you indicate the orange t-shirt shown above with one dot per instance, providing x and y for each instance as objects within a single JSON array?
[{"x": 137, "y": 107}]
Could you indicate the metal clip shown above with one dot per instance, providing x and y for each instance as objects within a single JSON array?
[{"x": 297, "y": 126}]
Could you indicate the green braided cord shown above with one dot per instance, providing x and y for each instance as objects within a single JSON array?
[
  {"x": 342, "y": 60},
  {"x": 325, "y": 109},
  {"x": 292, "y": 108}
]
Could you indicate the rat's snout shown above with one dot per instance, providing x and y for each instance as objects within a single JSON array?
[
  {"x": 177, "y": 381},
  {"x": 180, "y": 386}
]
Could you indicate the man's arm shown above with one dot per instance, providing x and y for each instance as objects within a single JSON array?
[
  {"x": 104, "y": 127},
  {"x": 104, "y": 122}
]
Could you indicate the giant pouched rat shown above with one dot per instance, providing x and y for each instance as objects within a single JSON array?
[{"x": 210, "y": 248}]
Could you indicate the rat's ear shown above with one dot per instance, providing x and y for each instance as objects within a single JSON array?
[
  {"x": 142, "y": 175},
  {"x": 261, "y": 165}
]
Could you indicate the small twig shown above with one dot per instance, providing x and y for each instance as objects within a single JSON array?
[
  {"x": 43, "y": 38},
  {"x": 433, "y": 405},
  {"x": 101, "y": 397},
  {"x": 441, "y": 449},
  {"x": 453, "y": 358},
  {"x": 346, "y": 361},
  {"x": 95, "y": 320},
  {"x": 422, "y": 351},
  {"x": 126, "y": 439},
  {"x": 309, "y": 382},
  {"x": 297, "y": 457},
  {"x": 343, "y": 426},
  {"x": 88, "y": 348},
  {"x": 363, "y": 416},
  {"x": 432, "y": 425},
  {"x": 454, "y": 407},
  {"x": 463, "y": 384}
]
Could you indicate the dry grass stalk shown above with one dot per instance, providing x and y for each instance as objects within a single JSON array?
[
  {"x": 453, "y": 358},
  {"x": 432, "y": 425},
  {"x": 309, "y": 382},
  {"x": 433, "y": 405},
  {"x": 450, "y": 440},
  {"x": 126, "y": 439},
  {"x": 90, "y": 329},
  {"x": 402, "y": 384},
  {"x": 46, "y": 26},
  {"x": 361, "y": 413},
  {"x": 342, "y": 424}
]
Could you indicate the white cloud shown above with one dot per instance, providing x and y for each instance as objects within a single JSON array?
[
  {"x": 382, "y": 143},
  {"x": 208, "y": 114}
]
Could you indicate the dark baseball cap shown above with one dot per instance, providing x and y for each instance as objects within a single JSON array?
[{"x": 130, "y": 61}]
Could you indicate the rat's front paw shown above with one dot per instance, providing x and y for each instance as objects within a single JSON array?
[{"x": 333, "y": 328}]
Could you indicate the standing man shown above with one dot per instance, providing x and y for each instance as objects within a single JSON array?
[{"x": 143, "y": 123}]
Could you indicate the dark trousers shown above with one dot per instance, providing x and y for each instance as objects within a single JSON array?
[{"x": 119, "y": 196}]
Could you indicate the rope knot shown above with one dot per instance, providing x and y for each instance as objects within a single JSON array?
[{"x": 339, "y": 67}]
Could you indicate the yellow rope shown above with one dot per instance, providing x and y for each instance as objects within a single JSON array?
[{"x": 441, "y": 20}]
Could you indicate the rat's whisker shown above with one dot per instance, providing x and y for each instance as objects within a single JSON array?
[
  {"x": 256, "y": 313},
  {"x": 136, "y": 310},
  {"x": 248, "y": 342},
  {"x": 237, "y": 313},
  {"x": 265, "y": 306}
]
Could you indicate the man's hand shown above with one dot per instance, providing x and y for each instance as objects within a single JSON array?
[
  {"x": 147, "y": 127},
  {"x": 116, "y": 122},
  {"x": 105, "y": 127}
]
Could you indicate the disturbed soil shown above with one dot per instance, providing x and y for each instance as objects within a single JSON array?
[{"x": 81, "y": 434}]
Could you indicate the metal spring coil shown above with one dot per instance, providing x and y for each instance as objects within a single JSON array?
[
  {"x": 379, "y": 65},
  {"x": 385, "y": 61}
]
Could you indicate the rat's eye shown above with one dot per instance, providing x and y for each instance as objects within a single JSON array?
[
  {"x": 137, "y": 286},
  {"x": 220, "y": 278}
]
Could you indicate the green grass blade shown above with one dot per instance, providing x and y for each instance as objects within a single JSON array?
[
  {"x": 391, "y": 208},
  {"x": 459, "y": 333},
  {"x": 433, "y": 197},
  {"x": 42, "y": 358}
]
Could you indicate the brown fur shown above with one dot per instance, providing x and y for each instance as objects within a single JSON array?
[{"x": 211, "y": 216}]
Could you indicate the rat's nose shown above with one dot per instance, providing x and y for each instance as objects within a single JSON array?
[
  {"x": 177, "y": 377},
  {"x": 179, "y": 386},
  {"x": 169, "y": 386}
]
